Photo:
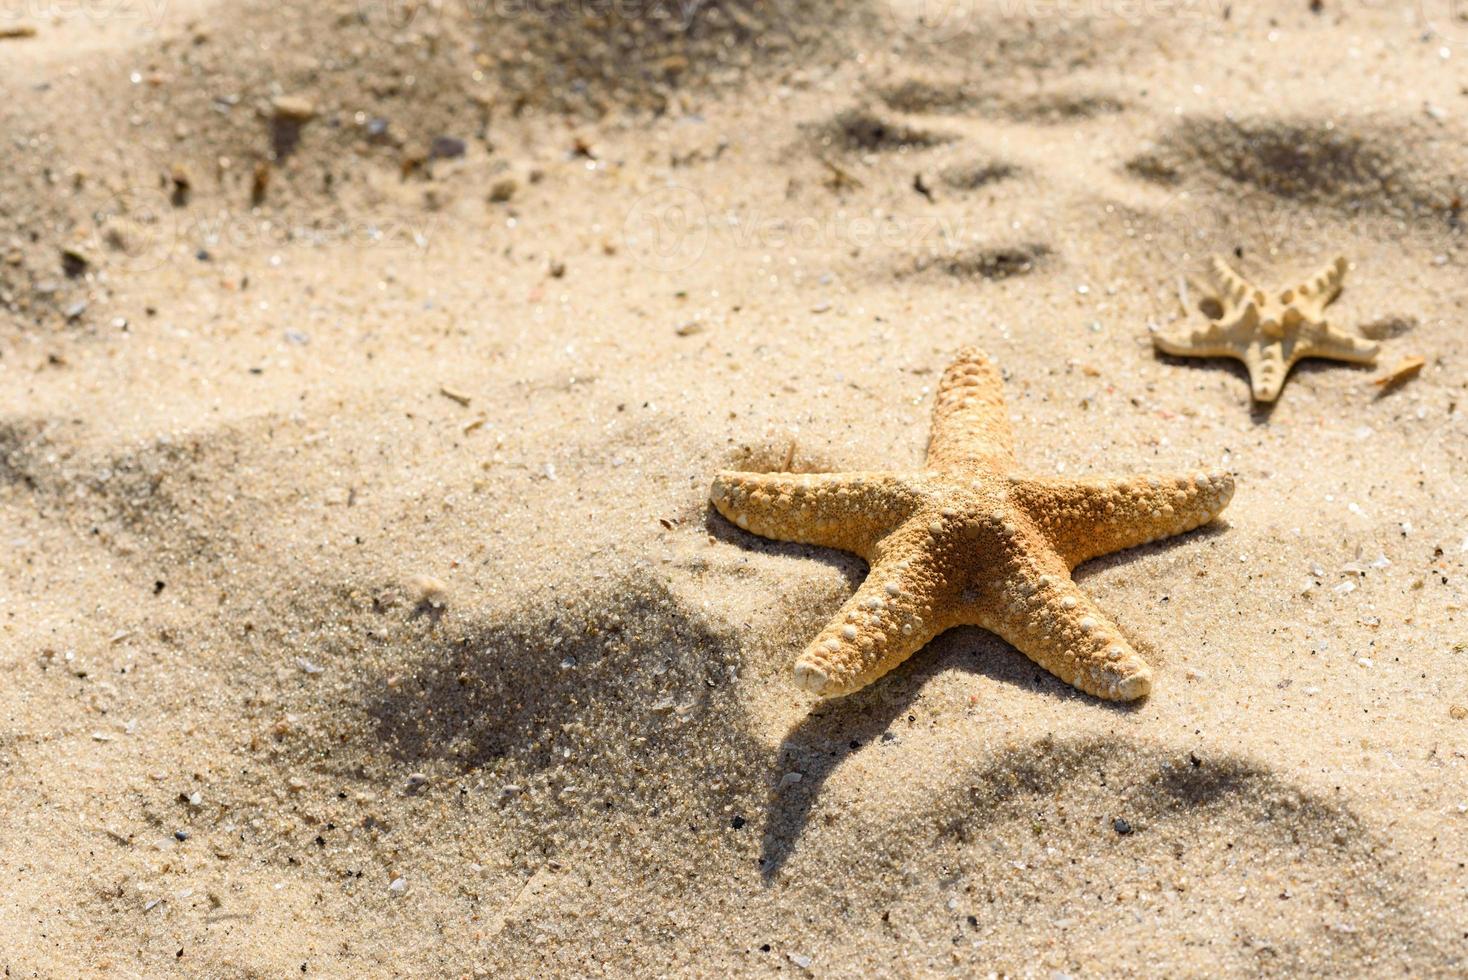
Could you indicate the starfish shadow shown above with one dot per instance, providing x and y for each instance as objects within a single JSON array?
[
  {"x": 1312, "y": 365},
  {"x": 1213, "y": 529},
  {"x": 837, "y": 728}
]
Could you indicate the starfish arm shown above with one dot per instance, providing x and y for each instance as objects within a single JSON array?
[
  {"x": 895, "y": 612},
  {"x": 1038, "y": 610},
  {"x": 850, "y": 511},
  {"x": 970, "y": 426},
  {"x": 1086, "y": 518},
  {"x": 1230, "y": 335},
  {"x": 1234, "y": 290},
  {"x": 1268, "y": 367},
  {"x": 1210, "y": 341},
  {"x": 1323, "y": 340},
  {"x": 1313, "y": 295}
]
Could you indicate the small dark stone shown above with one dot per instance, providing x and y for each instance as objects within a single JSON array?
[
  {"x": 182, "y": 186},
  {"x": 180, "y": 835},
  {"x": 738, "y": 822},
  {"x": 259, "y": 182},
  {"x": 1121, "y": 826},
  {"x": 764, "y": 948},
  {"x": 446, "y": 148},
  {"x": 919, "y": 185},
  {"x": 74, "y": 262},
  {"x": 203, "y": 255}
]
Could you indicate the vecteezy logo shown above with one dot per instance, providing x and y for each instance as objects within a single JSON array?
[
  {"x": 1447, "y": 19},
  {"x": 386, "y": 19},
  {"x": 133, "y": 235},
  {"x": 928, "y": 21},
  {"x": 1190, "y": 228},
  {"x": 667, "y": 229}
]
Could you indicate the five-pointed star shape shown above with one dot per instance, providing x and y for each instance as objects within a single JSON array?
[
  {"x": 970, "y": 540},
  {"x": 1269, "y": 333}
]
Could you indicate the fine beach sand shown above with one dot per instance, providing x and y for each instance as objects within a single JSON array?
[{"x": 364, "y": 368}]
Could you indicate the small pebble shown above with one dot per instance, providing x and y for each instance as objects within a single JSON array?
[
  {"x": 74, "y": 262},
  {"x": 446, "y": 148},
  {"x": 1121, "y": 826},
  {"x": 428, "y": 590},
  {"x": 503, "y": 189},
  {"x": 293, "y": 108}
]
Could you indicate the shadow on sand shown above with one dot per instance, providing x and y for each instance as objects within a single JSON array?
[{"x": 838, "y": 728}]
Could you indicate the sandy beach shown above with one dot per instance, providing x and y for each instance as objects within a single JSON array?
[{"x": 365, "y": 368}]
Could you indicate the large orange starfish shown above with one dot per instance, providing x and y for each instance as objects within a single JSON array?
[{"x": 969, "y": 540}]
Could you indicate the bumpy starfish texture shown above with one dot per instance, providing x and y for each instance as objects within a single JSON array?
[
  {"x": 970, "y": 540},
  {"x": 1270, "y": 332}
]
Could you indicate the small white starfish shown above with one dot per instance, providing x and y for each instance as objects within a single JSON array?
[{"x": 1269, "y": 332}]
